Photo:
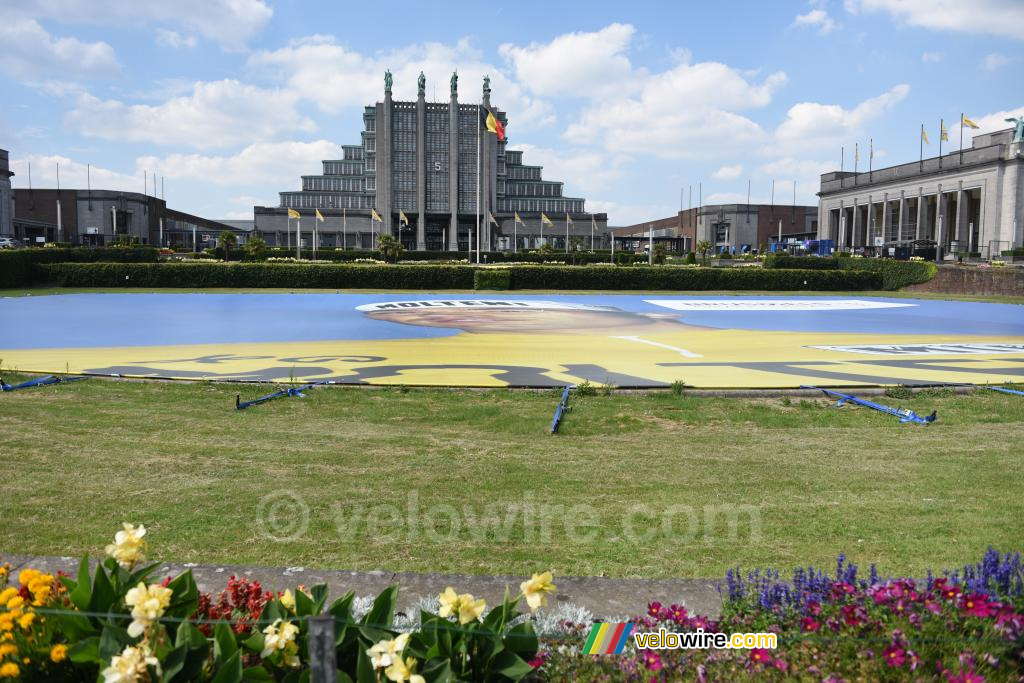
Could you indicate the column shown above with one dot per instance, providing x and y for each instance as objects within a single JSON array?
[
  {"x": 453, "y": 171},
  {"x": 961, "y": 216},
  {"x": 421, "y": 172},
  {"x": 886, "y": 218},
  {"x": 841, "y": 226},
  {"x": 940, "y": 216},
  {"x": 920, "y": 214},
  {"x": 869, "y": 224},
  {"x": 384, "y": 175},
  {"x": 902, "y": 215},
  {"x": 488, "y": 151}
]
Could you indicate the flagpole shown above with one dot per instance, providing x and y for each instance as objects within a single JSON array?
[
  {"x": 592, "y": 226},
  {"x": 871, "y": 159},
  {"x": 961, "y": 138},
  {"x": 298, "y": 239},
  {"x": 60, "y": 224},
  {"x": 344, "y": 228},
  {"x": 288, "y": 232},
  {"x": 920, "y": 143},
  {"x": 478, "y": 185},
  {"x": 515, "y": 234},
  {"x": 566, "y": 233},
  {"x": 942, "y": 125}
]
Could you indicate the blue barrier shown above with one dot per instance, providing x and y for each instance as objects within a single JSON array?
[
  {"x": 1005, "y": 391},
  {"x": 280, "y": 393},
  {"x": 560, "y": 411},
  {"x": 904, "y": 415},
  {"x": 39, "y": 382}
]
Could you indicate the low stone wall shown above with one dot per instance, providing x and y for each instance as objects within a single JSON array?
[{"x": 1008, "y": 281}]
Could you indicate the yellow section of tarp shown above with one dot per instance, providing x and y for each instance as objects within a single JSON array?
[{"x": 698, "y": 357}]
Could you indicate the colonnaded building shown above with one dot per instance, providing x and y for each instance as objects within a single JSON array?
[
  {"x": 969, "y": 201},
  {"x": 420, "y": 159}
]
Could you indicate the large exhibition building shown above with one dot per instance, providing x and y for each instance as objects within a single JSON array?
[
  {"x": 965, "y": 202},
  {"x": 417, "y": 170}
]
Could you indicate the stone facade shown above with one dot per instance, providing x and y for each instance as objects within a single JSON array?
[
  {"x": 6, "y": 198},
  {"x": 963, "y": 202},
  {"x": 418, "y": 160}
]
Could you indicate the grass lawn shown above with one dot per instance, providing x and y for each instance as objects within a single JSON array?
[
  {"x": 49, "y": 291},
  {"x": 80, "y": 459}
]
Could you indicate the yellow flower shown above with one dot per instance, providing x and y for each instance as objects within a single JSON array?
[
  {"x": 5, "y": 569},
  {"x": 26, "y": 621},
  {"x": 9, "y": 670},
  {"x": 6, "y": 595},
  {"x": 288, "y": 600},
  {"x": 536, "y": 590},
  {"x": 148, "y": 605},
  {"x": 7, "y": 649},
  {"x": 27, "y": 575},
  {"x": 58, "y": 653},
  {"x": 6, "y": 622},
  {"x": 280, "y": 637},
  {"x": 400, "y": 671},
  {"x": 128, "y": 545},
  {"x": 15, "y": 602},
  {"x": 470, "y": 609},
  {"x": 386, "y": 652},
  {"x": 449, "y": 602},
  {"x": 131, "y": 665}
]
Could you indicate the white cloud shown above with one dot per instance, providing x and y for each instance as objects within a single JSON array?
[
  {"x": 621, "y": 215},
  {"x": 989, "y": 17},
  {"x": 30, "y": 52},
  {"x": 728, "y": 172},
  {"x": 684, "y": 112},
  {"x": 813, "y": 126},
  {"x": 173, "y": 39},
  {"x": 995, "y": 61},
  {"x": 73, "y": 174},
  {"x": 989, "y": 123},
  {"x": 215, "y": 114},
  {"x": 229, "y": 23},
  {"x": 261, "y": 162},
  {"x": 584, "y": 64},
  {"x": 931, "y": 57},
  {"x": 816, "y": 18},
  {"x": 587, "y": 171}
]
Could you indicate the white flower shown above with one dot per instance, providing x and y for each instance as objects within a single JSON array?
[
  {"x": 131, "y": 665},
  {"x": 280, "y": 637},
  {"x": 387, "y": 652},
  {"x": 148, "y": 605},
  {"x": 128, "y": 545}
]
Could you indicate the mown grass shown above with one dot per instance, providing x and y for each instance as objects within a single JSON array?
[{"x": 80, "y": 459}]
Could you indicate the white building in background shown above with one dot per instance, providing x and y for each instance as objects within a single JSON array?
[
  {"x": 969, "y": 201},
  {"x": 6, "y": 199}
]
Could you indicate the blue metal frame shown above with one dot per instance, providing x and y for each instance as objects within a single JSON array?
[
  {"x": 280, "y": 393},
  {"x": 1005, "y": 391},
  {"x": 902, "y": 414},
  {"x": 560, "y": 411},
  {"x": 39, "y": 382}
]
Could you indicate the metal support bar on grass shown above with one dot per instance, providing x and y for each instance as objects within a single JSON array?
[
  {"x": 280, "y": 393},
  {"x": 563, "y": 407},
  {"x": 1005, "y": 390},
  {"x": 902, "y": 414},
  {"x": 39, "y": 382}
]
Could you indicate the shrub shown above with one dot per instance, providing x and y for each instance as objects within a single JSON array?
[
  {"x": 256, "y": 249},
  {"x": 691, "y": 258},
  {"x": 895, "y": 274},
  {"x": 785, "y": 261},
  {"x": 492, "y": 278},
  {"x": 16, "y": 265}
]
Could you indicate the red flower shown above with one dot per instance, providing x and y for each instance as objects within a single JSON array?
[
  {"x": 652, "y": 661},
  {"x": 759, "y": 655},
  {"x": 654, "y": 609},
  {"x": 814, "y": 607},
  {"x": 966, "y": 677},
  {"x": 894, "y": 655},
  {"x": 977, "y": 605},
  {"x": 809, "y": 624}
]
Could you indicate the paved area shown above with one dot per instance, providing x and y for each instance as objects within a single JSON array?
[{"x": 604, "y": 597}]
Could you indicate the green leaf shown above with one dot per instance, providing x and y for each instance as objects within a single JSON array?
[
  {"x": 191, "y": 637},
  {"x": 224, "y": 643},
  {"x": 80, "y": 592},
  {"x": 319, "y": 593},
  {"x": 364, "y": 668},
  {"x": 230, "y": 670},
  {"x": 113, "y": 640},
  {"x": 173, "y": 663},
  {"x": 342, "y": 677},
  {"x": 103, "y": 598},
  {"x": 186, "y": 595},
  {"x": 510, "y": 665},
  {"x": 304, "y": 605},
  {"x": 341, "y": 609},
  {"x": 74, "y": 626},
  {"x": 254, "y": 643},
  {"x": 522, "y": 640},
  {"x": 257, "y": 674},
  {"x": 381, "y": 614},
  {"x": 141, "y": 574},
  {"x": 86, "y": 651},
  {"x": 438, "y": 671}
]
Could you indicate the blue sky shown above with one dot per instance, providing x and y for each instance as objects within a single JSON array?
[{"x": 231, "y": 100}]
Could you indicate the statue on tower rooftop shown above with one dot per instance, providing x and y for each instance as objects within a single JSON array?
[
  {"x": 487, "y": 84},
  {"x": 421, "y": 84},
  {"x": 455, "y": 83},
  {"x": 1018, "y": 131},
  {"x": 387, "y": 80}
]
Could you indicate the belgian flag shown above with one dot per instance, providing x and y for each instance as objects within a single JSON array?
[{"x": 492, "y": 123}]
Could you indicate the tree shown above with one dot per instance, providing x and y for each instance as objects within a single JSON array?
[
  {"x": 660, "y": 254},
  {"x": 227, "y": 240},
  {"x": 575, "y": 244},
  {"x": 256, "y": 249},
  {"x": 704, "y": 247},
  {"x": 390, "y": 248}
]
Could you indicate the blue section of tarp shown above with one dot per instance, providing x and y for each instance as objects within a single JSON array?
[{"x": 104, "y": 320}]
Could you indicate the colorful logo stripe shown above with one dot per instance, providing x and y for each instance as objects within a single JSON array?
[{"x": 607, "y": 638}]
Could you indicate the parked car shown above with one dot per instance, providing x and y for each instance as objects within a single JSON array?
[{"x": 10, "y": 243}]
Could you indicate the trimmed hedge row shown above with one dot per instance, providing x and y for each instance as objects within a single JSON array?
[
  {"x": 16, "y": 264},
  {"x": 256, "y": 275},
  {"x": 894, "y": 274},
  {"x": 486, "y": 256},
  {"x": 801, "y": 262},
  {"x": 341, "y": 276}
]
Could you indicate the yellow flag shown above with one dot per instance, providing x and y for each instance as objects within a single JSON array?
[
  {"x": 943, "y": 133},
  {"x": 518, "y": 219},
  {"x": 493, "y": 219},
  {"x": 569, "y": 220},
  {"x": 292, "y": 213},
  {"x": 375, "y": 216},
  {"x": 924, "y": 136},
  {"x": 402, "y": 218},
  {"x": 970, "y": 124},
  {"x": 545, "y": 220},
  {"x": 319, "y": 216}
]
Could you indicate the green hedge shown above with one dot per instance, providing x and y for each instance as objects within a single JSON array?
[
  {"x": 681, "y": 279},
  {"x": 255, "y": 275},
  {"x": 894, "y": 274},
  {"x": 16, "y": 264},
  {"x": 342, "y": 255},
  {"x": 342, "y": 276},
  {"x": 492, "y": 278},
  {"x": 801, "y": 262}
]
